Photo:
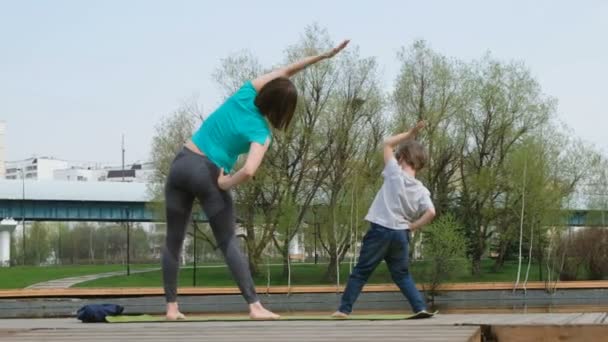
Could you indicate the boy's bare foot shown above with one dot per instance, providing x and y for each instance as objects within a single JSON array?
[
  {"x": 173, "y": 313},
  {"x": 339, "y": 314},
  {"x": 258, "y": 312}
]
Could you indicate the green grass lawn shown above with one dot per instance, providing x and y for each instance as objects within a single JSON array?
[
  {"x": 302, "y": 274},
  {"x": 23, "y": 276}
]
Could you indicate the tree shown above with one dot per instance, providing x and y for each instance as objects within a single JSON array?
[
  {"x": 231, "y": 75},
  {"x": 534, "y": 162},
  {"x": 116, "y": 243},
  {"x": 56, "y": 233},
  {"x": 444, "y": 252},
  {"x": 101, "y": 238},
  {"x": 65, "y": 246},
  {"x": 39, "y": 245},
  {"x": 586, "y": 255},
  {"x": 433, "y": 88},
  {"x": 82, "y": 242},
  {"x": 353, "y": 130},
  {"x": 171, "y": 134},
  {"x": 507, "y": 105},
  {"x": 597, "y": 189},
  {"x": 140, "y": 244},
  {"x": 276, "y": 203},
  {"x": 487, "y": 122}
]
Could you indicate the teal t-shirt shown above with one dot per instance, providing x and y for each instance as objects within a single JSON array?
[{"x": 229, "y": 130}]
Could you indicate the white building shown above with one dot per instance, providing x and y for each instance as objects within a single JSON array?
[
  {"x": 81, "y": 174},
  {"x": 136, "y": 172},
  {"x": 2, "y": 127},
  {"x": 43, "y": 168},
  {"x": 40, "y": 168}
]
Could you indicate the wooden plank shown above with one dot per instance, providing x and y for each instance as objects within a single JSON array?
[
  {"x": 588, "y": 318},
  {"x": 550, "y": 319},
  {"x": 537, "y": 333},
  {"x": 501, "y": 327},
  {"x": 476, "y": 337},
  {"x": 254, "y": 333},
  {"x": 540, "y": 319},
  {"x": 157, "y": 291}
]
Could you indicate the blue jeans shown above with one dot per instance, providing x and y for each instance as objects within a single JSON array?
[{"x": 390, "y": 245}]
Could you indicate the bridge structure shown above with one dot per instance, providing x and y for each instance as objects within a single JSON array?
[
  {"x": 66, "y": 201},
  {"x": 30, "y": 200},
  {"x": 33, "y": 200}
]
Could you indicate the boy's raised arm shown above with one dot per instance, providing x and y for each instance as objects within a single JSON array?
[{"x": 391, "y": 142}]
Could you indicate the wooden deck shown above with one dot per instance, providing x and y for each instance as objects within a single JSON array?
[
  {"x": 458, "y": 327},
  {"x": 186, "y": 291},
  {"x": 253, "y": 332}
]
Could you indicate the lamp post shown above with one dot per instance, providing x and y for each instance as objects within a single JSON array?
[
  {"x": 23, "y": 210},
  {"x": 316, "y": 236},
  {"x": 128, "y": 242}
]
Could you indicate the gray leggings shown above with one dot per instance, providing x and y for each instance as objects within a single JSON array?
[{"x": 194, "y": 176}]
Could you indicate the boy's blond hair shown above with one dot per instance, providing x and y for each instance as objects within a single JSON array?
[{"x": 413, "y": 153}]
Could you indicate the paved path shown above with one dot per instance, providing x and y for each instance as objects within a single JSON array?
[{"x": 65, "y": 283}]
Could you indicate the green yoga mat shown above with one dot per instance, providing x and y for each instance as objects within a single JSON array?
[{"x": 159, "y": 319}]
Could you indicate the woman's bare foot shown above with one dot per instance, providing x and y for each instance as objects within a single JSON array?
[
  {"x": 257, "y": 311},
  {"x": 339, "y": 314},
  {"x": 173, "y": 313}
]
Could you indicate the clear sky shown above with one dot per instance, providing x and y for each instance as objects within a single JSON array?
[{"x": 76, "y": 75}]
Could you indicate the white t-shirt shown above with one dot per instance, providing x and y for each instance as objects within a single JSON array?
[{"x": 401, "y": 200}]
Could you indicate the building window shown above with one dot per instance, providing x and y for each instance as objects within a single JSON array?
[
  {"x": 11, "y": 170},
  {"x": 31, "y": 168},
  {"x": 82, "y": 179},
  {"x": 11, "y": 177}
]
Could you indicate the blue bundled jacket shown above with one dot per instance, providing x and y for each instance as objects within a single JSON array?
[{"x": 95, "y": 313}]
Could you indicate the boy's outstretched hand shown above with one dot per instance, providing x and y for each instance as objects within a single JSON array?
[
  {"x": 391, "y": 142},
  {"x": 419, "y": 126}
]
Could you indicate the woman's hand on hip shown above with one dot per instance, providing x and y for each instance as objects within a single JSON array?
[{"x": 223, "y": 181}]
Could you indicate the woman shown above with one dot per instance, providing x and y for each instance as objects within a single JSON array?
[{"x": 238, "y": 126}]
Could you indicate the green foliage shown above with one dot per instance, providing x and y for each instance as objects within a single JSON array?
[
  {"x": 487, "y": 121},
  {"x": 444, "y": 250},
  {"x": 171, "y": 134},
  {"x": 37, "y": 248},
  {"x": 585, "y": 255},
  {"x": 56, "y": 243}
]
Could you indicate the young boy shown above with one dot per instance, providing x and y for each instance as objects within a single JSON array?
[{"x": 401, "y": 206}]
